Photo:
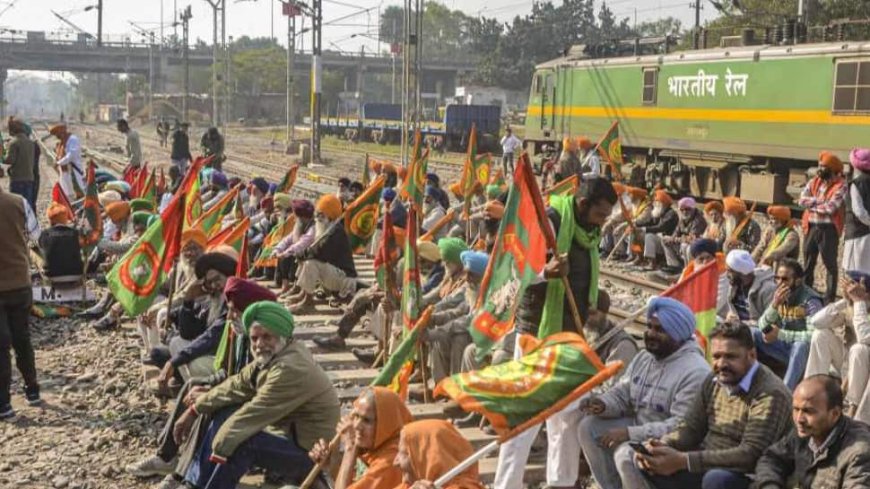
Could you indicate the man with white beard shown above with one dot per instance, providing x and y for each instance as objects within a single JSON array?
[
  {"x": 328, "y": 262},
  {"x": 270, "y": 414},
  {"x": 432, "y": 213},
  {"x": 741, "y": 231},
  {"x": 291, "y": 247},
  {"x": 664, "y": 223}
]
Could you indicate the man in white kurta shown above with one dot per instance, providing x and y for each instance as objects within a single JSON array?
[{"x": 69, "y": 165}]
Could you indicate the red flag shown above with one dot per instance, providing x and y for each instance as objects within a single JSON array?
[
  {"x": 699, "y": 291},
  {"x": 242, "y": 265},
  {"x": 161, "y": 184},
  {"x": 59, "y": 196}
]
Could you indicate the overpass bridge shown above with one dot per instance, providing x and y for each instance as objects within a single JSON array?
[{"x": 35, "y": 52}]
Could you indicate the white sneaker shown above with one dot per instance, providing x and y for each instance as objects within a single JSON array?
[
  {"x": 150, "y": 466},
  {"x": 169, "y": 482}
]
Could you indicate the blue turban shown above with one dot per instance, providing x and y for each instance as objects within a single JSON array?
[
  {"x": 388, "y": 194},
  {"x": 860, "y": 277},
  {"x": 273, "y": 187},
  {"x": 676, "y": 318},
  {"x": 433, "y": 179},
  {"x": 703, "y": 246},
  {"x": 219, "y": 179},
  {"x": 261, "y": 184},
  {"x": 474, "y": 261},
  {"x": 432, "y": 192}
]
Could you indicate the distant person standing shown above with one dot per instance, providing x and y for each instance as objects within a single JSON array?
[
  {"x": 212, "y": 143},
  {"x": 16, "y": 298},
  {"x": 180, "y": 147},
  {"x": 133, "y": 146},
  {"x": 19, "y": 157},
  {"x": 69, "y": 160},
  {"x": 510, "y": 144},
  {"x": 823, "y": 198},
  {"x": 163, "y": 131}
]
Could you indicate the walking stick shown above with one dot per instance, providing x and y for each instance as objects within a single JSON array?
[
  {"x": 618, "y": 243},
  {"x": 318, "y": 467}
]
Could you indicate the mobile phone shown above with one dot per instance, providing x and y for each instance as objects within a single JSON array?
[{"x": 639, "y": 448}]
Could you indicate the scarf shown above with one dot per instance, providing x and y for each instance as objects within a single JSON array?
[
  {"x": 569, "y": 233},
  {"x": 434, "y": 447},
  {"x": 777, "y": 240},
  {"x": 392, "y": 415}
]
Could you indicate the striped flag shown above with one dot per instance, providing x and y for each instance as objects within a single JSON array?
[
  {"x": 361, "y": 215},
  {"x": 92, "y": 229},
  {"x": 411, "y": 290},
  {"x": 699, "y": 291},
  {"x": 397, "y": 370},
  {"x": 289, "y": 180}
]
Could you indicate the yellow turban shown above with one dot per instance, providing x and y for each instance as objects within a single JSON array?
[{"x": 329, "y": 206}]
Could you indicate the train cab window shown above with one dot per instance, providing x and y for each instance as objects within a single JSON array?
[
  {"x": 852, "y": 87},
  {"x": 650, "y": 80},
  {"x": 538, "y": 84}
]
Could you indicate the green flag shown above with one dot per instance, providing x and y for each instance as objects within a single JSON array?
[
  {"x": 91, "y": 229},
  {"x": 361, "y": 215},
  {"x": 411, "y": 290},
  {"x": 415, "y": 179},
  {"x": 398, "y": 368}
]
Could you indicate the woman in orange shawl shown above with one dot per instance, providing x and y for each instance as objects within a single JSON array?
[
  {"x": 429, "y": 449},
  {"x": 370, "y": 432}
]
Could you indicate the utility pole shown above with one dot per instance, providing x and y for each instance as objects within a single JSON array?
[
  {"x": 696, "y": 34},
  {"x": 215, "y": 8},
  {"x": 99, "y": 23},
  {"x": 393, "y": 45},
  {"x": 412, "y": 63},
  {"x": 316, "y": 73},
  {"x": 161, "y": 23},
  {"x": 291, "y": 11},
  {"x": 151, "y": 78},
  {"x": 228, "y": 103},
  {"x": 226, "y": 64},
  {"x": 185, "y": 29}
]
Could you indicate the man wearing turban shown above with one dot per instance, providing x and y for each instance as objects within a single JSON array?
[
  {"x": 715, "y": 217},
  {"x": 432, "y": 212},
  {"x": 19, "y": 157},
  {"x": 59, "y": 243},
  {"x": 741, "y": 230},
  {"x": 823, "y": 200},
  {"x": 69, "y": 160},
  {"x": 690, "y": 227},
  {"x": 780, "y": 238},
  {"x": 640, "y": 214},
  {"x": 569, "y": 163},
  {"x": 663, "y": 224},
  {"x": 291, "y": 247},
  {"x": 750, "y": 289},
  {"x": 271, "y": 413},
  {"x": 856, "y": 237},
  {"x": 664, "y": 379},
  {"x": 328, "y": 262}
]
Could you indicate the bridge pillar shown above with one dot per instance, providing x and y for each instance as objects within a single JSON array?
[{"x": 3, "y": 75}]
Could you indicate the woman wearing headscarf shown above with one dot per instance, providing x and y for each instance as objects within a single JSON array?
[
  {"x": 371, "y": 433},
  {"x": 429, "y": 449}
]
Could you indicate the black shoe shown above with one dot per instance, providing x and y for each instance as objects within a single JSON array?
[
  {"x": 6, "y": 411},
  {"x": 333, "y": 342},
  {"x": 96, "y": 310},
  {"x": 106, "y": 323},
  {"x": 32, "y": 396},
  {"x": 364, "y": 356}
]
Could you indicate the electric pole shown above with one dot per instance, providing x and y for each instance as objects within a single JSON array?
[
  {"x": 696, "y": 35},
  {"x": 186, "y": 15},
  {"x": 99, "y": 23},
  {"x": 291, "y": 11},
  {"x": 316, "y": 73},
  {"x": 412, "y": 58}
]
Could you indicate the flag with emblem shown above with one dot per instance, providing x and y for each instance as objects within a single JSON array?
[
  {"x": 386, "y": 255},
  {"x": 210, "y": 220},
  {"x": 91, "y": 228},
  {"x": 411, "y": 290},
  {"x": 415, "y": 180},
  {"x": 518, "y": 256},
  {"x": 699, "y": 291},
  {"x": 289, "y": 180},
  {"x": 366, "y": 173},
  {"x": 564, "y": 187},
  {"x": 190, "y": 187},
  {"x": 234, "y": 237},
  {"x": 610, "y": 149},
  {"x": 136, "y": 278},
  {"x": 476, "y": 168},
  {"x": 361, "y": 215},
  {"x": 513, "y": 394},
  {"x": 149, "y": 188},
  {"x": 278, "y": 232},
  {"x": 397, "y": 371}
]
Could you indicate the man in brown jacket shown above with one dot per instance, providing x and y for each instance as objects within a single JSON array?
[
  {"x": 16, "y": 297},
  {"x": 827, "y": 449},
  {"x": 270, "y": 414}
]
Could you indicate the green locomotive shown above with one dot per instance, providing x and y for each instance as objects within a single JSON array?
[{"x": 745, "y": 120}]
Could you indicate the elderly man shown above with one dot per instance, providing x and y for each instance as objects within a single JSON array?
[
  {"x": 200, "y": 327},
  {"x": 856, "y": 237},
  {"x": 741, "y": 231},
  {"x": 328, "y": 262},
  {"x": 826, "y": 449},
  {"x": 69, "y": 161},
  {"x": 690, "y": 227},
  {"x": 783, "y": 334},
  {"x": 740, "y": 409},
  {"x": 19, "y": 157},
  {"x": 590, "y": 162},
  {"x": 751, "y": 289},
  {"x": 664, "y": 224},
  {"x": 641, "y": 215},
  {"x": 288, "y": 250},
  {"x": 715, "y": 217},
  {"x": 649, "y": 400},
  {"x": 60, "y": 244},
  {"x": 132, "y": 145},
  {"x": 569, "y": 163},
  {"x": 283, "y": 390},
  {"x": 823, "y": 199},
  {"x": 432, "y": 213},
  {"x": 779, "y": 240}
]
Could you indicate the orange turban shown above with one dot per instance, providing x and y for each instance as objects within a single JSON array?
[
  {"x": 57, "y": 214},
  {"x": 376, "y": 165},
  {"x": 584, "y": 143},
  {"x": 493, "y": 209},
  {"x": 713, "y": 205},
  {"x": 734, "y": 205},
  {"x": 568, "y": 144},
  {"x": 636, "y": 193},
  {"x": 57, "y": 129},
  {"x": 118, "y": 211},
  {"x": 329, "y": 206},
  {"x": 389, "y": 168},
  {"x": 403, "y": 172},
  {"x": 456, "y": 189},
  {"x": 618, "y": 188},
  {"x": 779, "y": 212},
  {"x": 399, "y": 234},
  {"x": 194, "y": 235},
  {"x": 830, "y": 161},
  {"x": 664, "y": 198}
]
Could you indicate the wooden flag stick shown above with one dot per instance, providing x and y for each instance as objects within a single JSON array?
[{"x": 318, "y": 467}]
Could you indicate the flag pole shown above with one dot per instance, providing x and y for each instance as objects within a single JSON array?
[
  {"x": 318, "y": 467},
  {"x": 607, "y": 372},
  {"x": 172, "y": 280}
]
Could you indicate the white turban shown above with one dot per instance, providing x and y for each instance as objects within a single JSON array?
[{"x": 740, "y": 261}]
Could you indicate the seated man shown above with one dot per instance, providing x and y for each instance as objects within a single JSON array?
[
  {"x": 270, "y": 414},
  {"x": 60, "y": 245},
  {"x": 779, "y": 240},
  {"x": 713, "y": 214},
  {"x": 858, "y": 395},
  {"x": 742, "y": 407},
  {"x": 651, "y": 397},
  {"x": 690, "y": 227},
  {"x": 432, "y": 213},
  {"x": 641, "y": 215},
  {"x": 826, "y": 449},
  {"x": 741, "y": 231},
  {"x": 782, "y": 332},
  {"x": 328, "y": 262},
  {"x": 618, "y": 216},
  {"x": 291, "y": 247},
  {"x": 200, "y": 328},
  {"x": 751, "y": 289},
  {"x": 664, "y": 224}
]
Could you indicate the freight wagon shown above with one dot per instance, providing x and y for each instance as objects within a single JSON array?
[
  {"x": 745, "y": 120},
  {"x": 381, "y": 123}
]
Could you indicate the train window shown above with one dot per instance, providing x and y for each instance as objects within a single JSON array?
[
  {"x": 852, "y": 87},
  {"x": 650, "y": 79},
  {"x": 538, "y": 84}
]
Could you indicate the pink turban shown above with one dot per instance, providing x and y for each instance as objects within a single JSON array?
[
  {"x": 860, "y": 159},
  {"x": 242, "y": 293}
]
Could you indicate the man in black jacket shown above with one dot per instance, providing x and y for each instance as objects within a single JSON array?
[
  {"x": 180, "y": 155},
  {"x": 328, "y": 262},
  {"x": 827, "y": 449},
  {"x": 664, "y": 223}
]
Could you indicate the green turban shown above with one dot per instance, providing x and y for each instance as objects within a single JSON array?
[
  {"x": 493, "y": 191},
  {"x": 141, "y": 218},
  {"x": 451, "y": 248},
  {"x": 271, "y": 315},
  {"x": 141, "y": 205}
]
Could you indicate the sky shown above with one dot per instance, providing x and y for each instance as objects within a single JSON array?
[{"x": 263, "y": 17}]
